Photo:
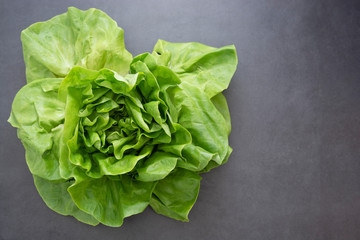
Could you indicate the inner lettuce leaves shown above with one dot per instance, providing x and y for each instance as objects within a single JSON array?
[{"x": 106, "y": 134}]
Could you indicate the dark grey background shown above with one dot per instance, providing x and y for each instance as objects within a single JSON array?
[{"x": 295, "y": 106}]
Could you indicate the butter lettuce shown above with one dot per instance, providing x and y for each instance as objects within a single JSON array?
[{"x": 107, "y": 135}]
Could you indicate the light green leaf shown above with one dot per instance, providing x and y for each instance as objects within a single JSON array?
[
  {"x": 158, "y": 166},
  {"x": 214, "y": 164},
  {"x": 207, "y": 126},
  {"x": 39, "y": 117},
  {"x": 207, "y": 68},
  {"x": 90, "y": 39},
  {"x": 220, "y": 103},
  {"x": 56, "y": 197},
  {"x": 175, "y": 195},
  {"x": 111, "y": 200}
]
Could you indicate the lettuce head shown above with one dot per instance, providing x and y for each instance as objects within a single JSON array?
[{"x": 106, "y": 134}]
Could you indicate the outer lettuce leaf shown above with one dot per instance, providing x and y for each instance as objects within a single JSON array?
[
  {"x": 111, "y": 200},
  {"x": 90, "y": 39},
  {"x": 57, "y": 198},
  {"x": 207, "y": 68},
  {"x": 39, "y": 117},
  {"x": 220, "y": 103},
  {"x": 175, "y": 195}
]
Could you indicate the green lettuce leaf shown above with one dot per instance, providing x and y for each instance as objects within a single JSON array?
[
  {"x": 175, "y": 195},
  {"x": 156, "y": 167},
  {"x": 56, "y": 197},
  {"x": 39, "y": 115},
  {"x": 90, "y": 39},
  {"x": 111, "y": 200},
  {"x": 207, "y": 68}
]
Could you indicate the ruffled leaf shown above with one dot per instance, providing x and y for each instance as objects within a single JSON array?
[
  {"x": 39, "y": 117},
  {"x": 56, "y": 197},
  {"x": 90, "y": 39},
  {"x": 207, "y": 68},
  {"x": 175, "y": 195},
  {"x": 111, "y": 200}
]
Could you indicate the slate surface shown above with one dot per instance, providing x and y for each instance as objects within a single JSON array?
[{"x": 295, "y": 106}]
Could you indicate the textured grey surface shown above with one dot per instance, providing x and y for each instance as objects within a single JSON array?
[{"x": 295, "y": 106}]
